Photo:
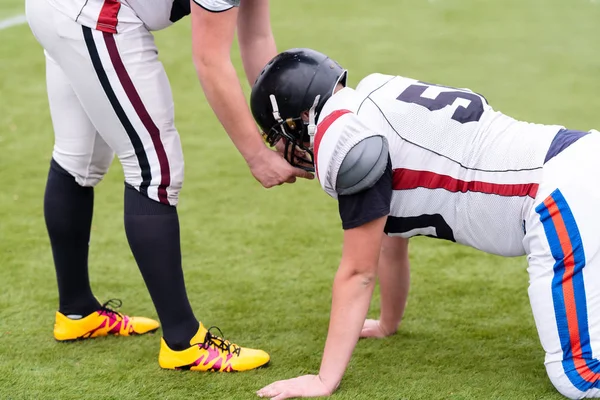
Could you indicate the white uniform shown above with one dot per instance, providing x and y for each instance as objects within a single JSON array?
[
  {"x": 467, "y": 173},
  {"x": 109, "y": 93}
]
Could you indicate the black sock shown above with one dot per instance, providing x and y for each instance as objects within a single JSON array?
[
  {"x": 152, "y": 230},
  {"x": 68, "y": 210}
]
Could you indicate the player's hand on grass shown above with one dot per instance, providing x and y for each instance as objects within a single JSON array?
[
  {"x": 271, "y": 169},
  {"x": 374, "y": 328},
  {"x": 302, "y": 386}
]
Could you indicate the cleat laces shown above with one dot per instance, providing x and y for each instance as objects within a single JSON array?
[
  {"x": 219, "y": 343},
  {"x": 110, "y": 307}
]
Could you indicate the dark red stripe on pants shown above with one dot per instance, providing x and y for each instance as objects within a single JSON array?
[
  {"x": 140, "y": 109},
  {"x": 136, "y": 142}
]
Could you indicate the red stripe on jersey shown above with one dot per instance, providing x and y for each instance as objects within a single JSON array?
[
  {"x": 404, "y": 179},
  {"x": 322, "y": 128},
  {"x": 107, "y": 20}
]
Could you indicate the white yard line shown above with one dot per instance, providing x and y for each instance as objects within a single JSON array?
[{"x": 12, "y": 21}]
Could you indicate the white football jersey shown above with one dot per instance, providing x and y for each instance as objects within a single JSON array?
[
  {"x": 461, "y": 171},
  {"x": 114, "y": 16}
]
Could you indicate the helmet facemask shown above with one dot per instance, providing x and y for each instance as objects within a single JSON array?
[{"x": 295, "y": 132}]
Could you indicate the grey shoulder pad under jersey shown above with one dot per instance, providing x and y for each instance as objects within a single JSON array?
[{"x": 363, "y": 165}]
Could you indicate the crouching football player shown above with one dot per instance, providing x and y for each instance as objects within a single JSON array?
[{"x": 406, "y": 158}]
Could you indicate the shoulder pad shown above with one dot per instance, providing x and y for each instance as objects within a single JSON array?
[{"x": 363, "y": 165}]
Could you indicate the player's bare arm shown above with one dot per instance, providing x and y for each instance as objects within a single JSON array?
[
  {"x": 394, "y": 282},
  {"x": 255, "y": 37},
  {"x": 212, "y": 37},
  {"x": 359, "y": 176},
  {"x": 352, "y": 290}
]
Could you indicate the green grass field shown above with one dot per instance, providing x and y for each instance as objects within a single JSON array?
[{"x": 260, "y": 263}]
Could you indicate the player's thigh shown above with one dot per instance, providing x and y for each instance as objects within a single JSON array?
[
  {"x": 77, "y": 146},
  {"x": 136, "y": 86},
  {"x": 564, "y": 269}
]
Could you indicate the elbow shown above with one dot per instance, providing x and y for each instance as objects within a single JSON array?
[
  {"x": 207, "y": 62},
  {"x": 202, "y": 63},
  {"x": 358, "y": 269},
  {"x": 365, "y": 277},
  {"x": 255, "y": 39},
  {"x": 356, "y": 279}
]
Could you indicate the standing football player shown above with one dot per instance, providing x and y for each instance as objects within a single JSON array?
[
  {"x": 109, "y": 94},
  {"x": 405, "y": 158}
]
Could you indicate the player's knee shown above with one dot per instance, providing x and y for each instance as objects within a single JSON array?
[
  {"x": 175, "y": 185},
  {"x": 84, "y": 173},
  {"x": 569, "y": 382},
  {"x": 172, "y": 192},
  {"x": 163, "y": 193}
]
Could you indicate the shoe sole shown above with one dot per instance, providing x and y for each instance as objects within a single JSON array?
[
  {"x": 80, "y": 339},
  {"x": 188, "y": 368}
]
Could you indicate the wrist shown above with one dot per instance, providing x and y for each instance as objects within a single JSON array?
[
  {"x": 388, "y": 326},
  {"x": 255, "y": 155},
  {"x": 331, "y": 386}
]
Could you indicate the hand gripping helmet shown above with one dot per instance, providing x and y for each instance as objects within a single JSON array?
[{"x": 295, "y": 81}]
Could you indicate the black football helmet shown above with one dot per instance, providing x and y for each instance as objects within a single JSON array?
[{"x": 295, "y": 81}]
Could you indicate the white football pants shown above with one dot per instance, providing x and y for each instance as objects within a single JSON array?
[
  {"x": 562, "y": 241},
  {"x": 109, "y": 94}
]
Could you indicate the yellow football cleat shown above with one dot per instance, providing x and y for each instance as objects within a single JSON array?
[
  {"x": 208, "y": 352},
  {"x": 106, "y": 321}
]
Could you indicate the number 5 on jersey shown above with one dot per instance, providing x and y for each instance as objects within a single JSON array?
[{"x": 464, "y": 113}]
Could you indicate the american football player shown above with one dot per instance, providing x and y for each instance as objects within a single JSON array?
[
  {"x": 405, "y": 157},
  {"x": 109, "y": 94}
]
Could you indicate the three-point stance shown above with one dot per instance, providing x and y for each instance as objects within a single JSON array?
[{"x": 405, "y": 158}]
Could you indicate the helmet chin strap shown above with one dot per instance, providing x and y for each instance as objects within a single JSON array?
[
  {"x": 276, "y": 114},
  {"x": 312, "y": 126}
]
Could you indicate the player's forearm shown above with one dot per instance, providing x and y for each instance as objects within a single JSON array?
[
  {"x": 351, "y": 297},
  {"x": 256, "y": 54},
  {"x": 255, "y": 37},
  {"x": 224, "y": 94},
  {"x": 394, "y": 282}
]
